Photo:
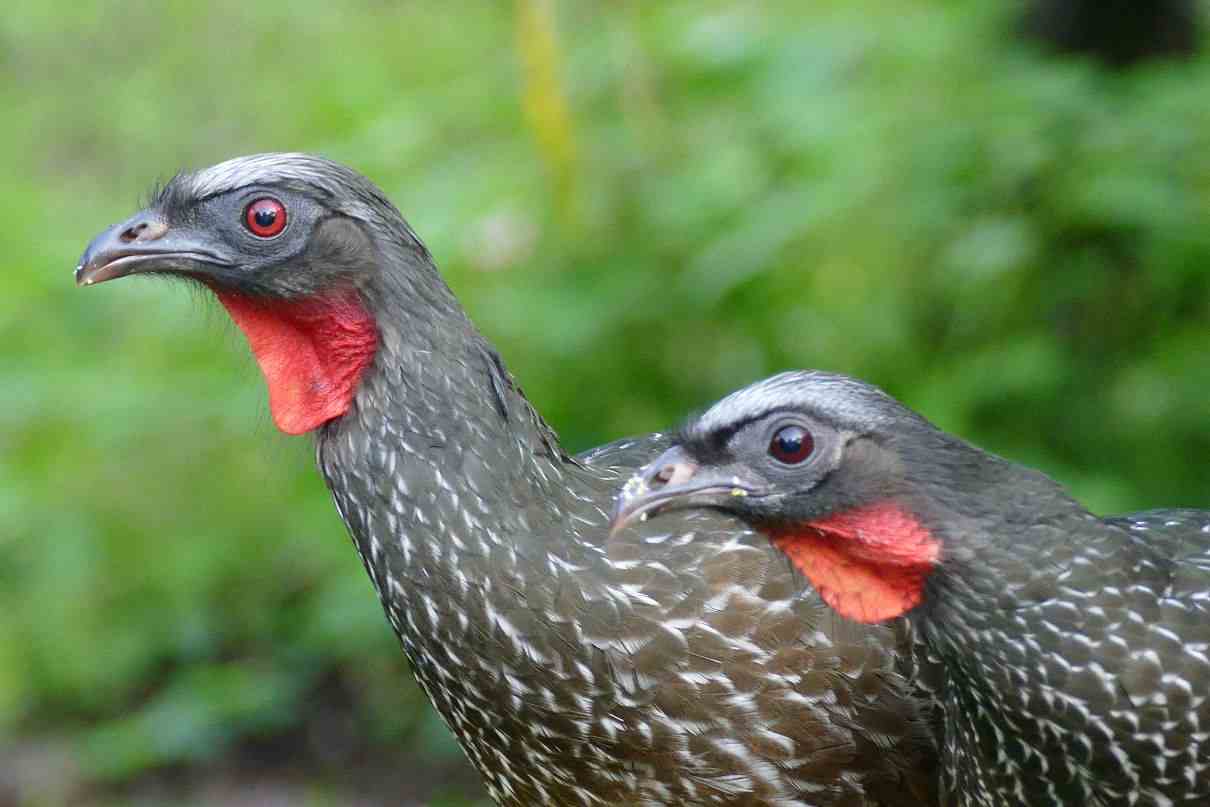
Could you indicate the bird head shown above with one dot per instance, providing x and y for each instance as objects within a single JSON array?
[
  {"x": 290, "y": 244},
  {"x": 842, "y": 478}
]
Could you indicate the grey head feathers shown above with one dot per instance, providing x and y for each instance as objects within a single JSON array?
[
  {"x": 336, "y": 186},
  {"x": 846, "y": 402}
]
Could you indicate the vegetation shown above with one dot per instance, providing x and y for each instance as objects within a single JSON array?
[{"x": 644, "y": 205}]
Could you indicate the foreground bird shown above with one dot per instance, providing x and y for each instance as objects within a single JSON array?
[
  {"x": 1075, "y": 650},
  {"x": 674, "y": 666}
]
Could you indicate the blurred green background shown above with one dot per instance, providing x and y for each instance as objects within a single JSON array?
[{"x": 644, "y": 205}]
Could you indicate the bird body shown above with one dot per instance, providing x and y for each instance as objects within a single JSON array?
[
  {"x": 681, "y": 664},
  {"x": 1086, "y": 682},
  {"x": 1070, "y": 653}
]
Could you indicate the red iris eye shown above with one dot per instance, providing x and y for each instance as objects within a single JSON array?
[
  {"x": 265, "y": 218},
  {"x": 791, "y": 445}
]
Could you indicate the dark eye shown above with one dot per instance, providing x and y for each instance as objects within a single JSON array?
[
  {"x": 791, "y": 445},
  {"x": 265, "y": 217}
]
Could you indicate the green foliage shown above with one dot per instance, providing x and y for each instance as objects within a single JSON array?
[{"x": 644, "y": 205}]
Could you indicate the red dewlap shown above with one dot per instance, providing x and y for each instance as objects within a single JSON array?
[
  {"x": 869, "y": 563},
  {"x": 312, "y": 352}
]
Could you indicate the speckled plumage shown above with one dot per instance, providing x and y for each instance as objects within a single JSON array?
[
  {"x": 1070, "y": 654},
  {"x": 678, "y": 665},
  {"x": 1079, "y": 660},
  {"x": 683, "y": 663}
]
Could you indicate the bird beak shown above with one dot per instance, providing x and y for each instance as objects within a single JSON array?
[
  {"x": 674, "y": 480},
  {"x": 146, "y": 243}
]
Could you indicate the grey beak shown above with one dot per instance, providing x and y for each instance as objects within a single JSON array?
[
  {"x": 673, "y": 480},
  {"x": 144, "y": 243}
]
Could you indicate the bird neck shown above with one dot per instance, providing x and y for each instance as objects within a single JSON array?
[
  {"x": 463, "y": 509},
  {"x": 993, "y": 614},
  {"x": 438, "y": 440},
  {"x": 1009, "y": 536}
]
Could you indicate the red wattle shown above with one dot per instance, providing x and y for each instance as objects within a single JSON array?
[
  {"x": 869, "y": 563},
  {"x": 312, "y": 352}
]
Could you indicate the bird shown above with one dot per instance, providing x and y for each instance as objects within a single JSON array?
[
  {"x": 684, "y": 664},
  {"x": 1069, "y": 654}
]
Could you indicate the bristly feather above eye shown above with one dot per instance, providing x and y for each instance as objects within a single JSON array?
[
  {"x": 172, "y": 198},
  {"x": 684, "y": 434},
  {"x": 151, "y": 197},
  {"x": 706, "y": 446}
]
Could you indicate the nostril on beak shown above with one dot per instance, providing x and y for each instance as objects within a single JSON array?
[
  {"x": 672, "y": 473},
  {"x": 143, "y": 231}
]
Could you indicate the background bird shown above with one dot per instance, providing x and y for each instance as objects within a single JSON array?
[
  {"x": 680, "y": 665},
  {"x": 1074, "y": 648}
]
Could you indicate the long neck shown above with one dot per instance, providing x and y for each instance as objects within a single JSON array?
[
  {"x": 458, "y": 500},
  {"x": 1005, "y": 614},
  {"x": 438, "y": 436}
]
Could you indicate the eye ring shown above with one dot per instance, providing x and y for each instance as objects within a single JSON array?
[
  {"x": 791, "y": 445},
  {"x": 265, "y": 217}
]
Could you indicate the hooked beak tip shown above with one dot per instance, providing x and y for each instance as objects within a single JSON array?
[
  {"x": 635, "y": 502},
  {"x": 86, "y": 275},
  {"x": 624, "y": 515},
  {"x": 91, "y": 272}
]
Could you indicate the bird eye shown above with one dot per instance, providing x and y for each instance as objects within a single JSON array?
[
  {"x": 791, "y": 445},
  {"x": 265, "y": 217}
]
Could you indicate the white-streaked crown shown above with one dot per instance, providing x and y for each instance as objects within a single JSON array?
[
  {"x": 339, "y": 187},
  {"x": 846, "y": 402}
]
